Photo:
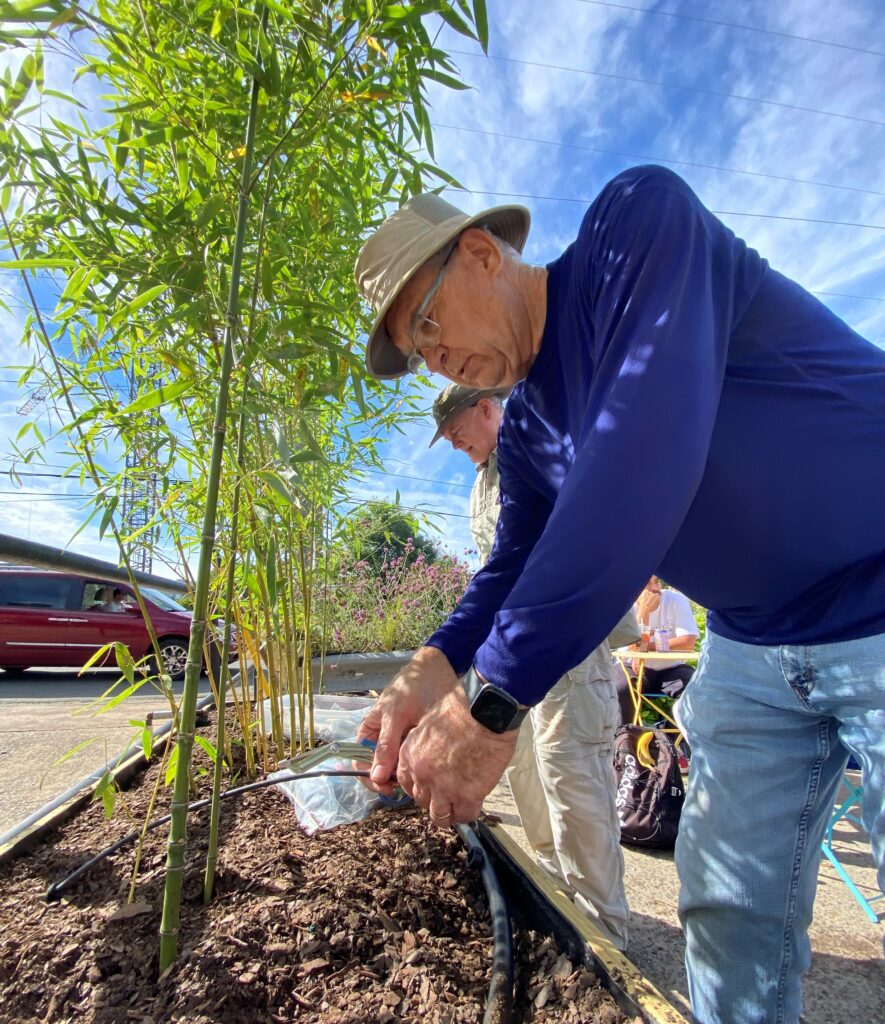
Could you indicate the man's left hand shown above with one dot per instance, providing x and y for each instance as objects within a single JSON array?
[{"x": 449, "y": 763}]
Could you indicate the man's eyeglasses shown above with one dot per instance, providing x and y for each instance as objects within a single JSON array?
[{"x": 424, "y": 332}]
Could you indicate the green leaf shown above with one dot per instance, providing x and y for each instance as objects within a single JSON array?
[
  {"x": 267, "y": 279},
  {"x": 160, "y": 396},
  {"x": 279, "y": 437},
  {"x": 481, "y": 20},
  {"x": 172, "y": 765},
  {"x": 451, "y": 17},
  {"x": 107, "y": 518},
  {"x": 278, "y": 484},
  {"x": 124, "y": 133},
  {"x": 211, "y": 751},
  {"x": 443, "y": 79},
  {"x": 147, "y": 743},
  {"x": 38, "y": 263},
  {"x": 95, "y": 657},
  {"x": 124, "y": 661}
]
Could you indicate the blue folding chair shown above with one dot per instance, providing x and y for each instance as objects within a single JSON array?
[{"x": 843, "y": 812}]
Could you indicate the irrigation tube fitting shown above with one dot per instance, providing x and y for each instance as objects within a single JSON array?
[{"x": 499, "y": 1004}]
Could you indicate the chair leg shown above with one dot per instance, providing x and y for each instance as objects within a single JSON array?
[{"x": 841, "y": 812}]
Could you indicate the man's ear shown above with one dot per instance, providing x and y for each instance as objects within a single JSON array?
[{"x": 479, "y": 246}]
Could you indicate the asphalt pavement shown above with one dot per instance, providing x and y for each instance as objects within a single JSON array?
[{"x": 53, "y": 732}]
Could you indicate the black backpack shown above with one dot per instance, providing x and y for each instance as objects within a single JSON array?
[{"x": 650, "y": 790}]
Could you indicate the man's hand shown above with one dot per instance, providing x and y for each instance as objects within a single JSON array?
[
  {"x": 648, "y": 601},
  {"x": 403, "y": 702},
  {"x": 449, "y": 763}
]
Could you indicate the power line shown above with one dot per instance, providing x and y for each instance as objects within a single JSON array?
[
  {"x": 403, "y": 508},
  {"x": 720, "y": 213},
  {"x": 730, "y": 24},
  {"x": 671, "y": 85},
  {"x": 420, "y": 479},
  {"x": 659, "y": 159}
]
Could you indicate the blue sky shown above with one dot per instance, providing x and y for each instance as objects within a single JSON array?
[{"x": 770, "y": 98}]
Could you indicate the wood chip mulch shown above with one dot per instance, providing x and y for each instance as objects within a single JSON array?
[{"x": 370, "y": 923}]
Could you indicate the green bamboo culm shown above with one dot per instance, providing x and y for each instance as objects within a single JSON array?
[
  {"x": 177, "y": 844},
  {"x": 215, "y": 815}
]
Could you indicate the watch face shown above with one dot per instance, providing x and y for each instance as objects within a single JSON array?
[{"x": 494, "y": 709}]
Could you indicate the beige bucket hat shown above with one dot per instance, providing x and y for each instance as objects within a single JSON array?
[
  {"x": 402, "y": 245},
  {"x": 454, "y": 400}
]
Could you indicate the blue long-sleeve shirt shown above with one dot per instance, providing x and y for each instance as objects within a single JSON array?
[{"x": 690, "y": 412}]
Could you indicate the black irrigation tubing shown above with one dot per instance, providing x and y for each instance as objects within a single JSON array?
[
  {"x": 499, "y": 1003},
  {"x": 55, "y": 891}
]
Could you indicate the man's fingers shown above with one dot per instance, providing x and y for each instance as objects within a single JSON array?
[
  {"x": 390, "y": 738},
  {"x": 465, "y": 811},
  {"x": 440, "y": 814}
]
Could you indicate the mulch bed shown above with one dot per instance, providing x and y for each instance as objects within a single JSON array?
[{"x": 369, "y": 923}]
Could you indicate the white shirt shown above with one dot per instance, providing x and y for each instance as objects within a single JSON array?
[{"x": 673, "y": 613}]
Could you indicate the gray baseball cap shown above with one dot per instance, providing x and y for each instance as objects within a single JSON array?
[
  {"x": 455, "y": 399},
  {"x": 400, "y": 247}
]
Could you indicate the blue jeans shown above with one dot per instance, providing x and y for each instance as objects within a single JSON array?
[{"x": 770, "y": 730}]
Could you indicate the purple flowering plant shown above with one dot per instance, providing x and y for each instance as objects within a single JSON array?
[{"x": 393, "y": 604}]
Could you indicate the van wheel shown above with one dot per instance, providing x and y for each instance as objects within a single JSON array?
[
  {"x": 16, "y": 670},
  {"x": 173, "y": 650}
]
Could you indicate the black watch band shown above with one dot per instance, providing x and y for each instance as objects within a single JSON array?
[{"x": 491, "y": 706}]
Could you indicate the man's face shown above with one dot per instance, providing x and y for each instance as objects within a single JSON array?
[
  {"x": 653, "y": 585},
  {"x": 479, "y": 342},
  {"x": 475, "y": 431}
]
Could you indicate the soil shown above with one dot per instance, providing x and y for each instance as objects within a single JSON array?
[{"x": 370, "y": 923}]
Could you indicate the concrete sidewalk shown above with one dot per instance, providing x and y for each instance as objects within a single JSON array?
[{"x": 846, "y": 984}]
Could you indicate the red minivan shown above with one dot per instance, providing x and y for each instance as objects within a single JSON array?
[{"x": 56, "y": 618}]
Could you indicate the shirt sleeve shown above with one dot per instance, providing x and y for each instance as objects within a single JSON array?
[
  {"x": 656, "y": 271},
  {"x": 521, "y": 519},
  {"x": 683, "y": 618}
]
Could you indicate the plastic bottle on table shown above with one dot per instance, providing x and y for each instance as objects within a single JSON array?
[{"x": 662, "y": 639}]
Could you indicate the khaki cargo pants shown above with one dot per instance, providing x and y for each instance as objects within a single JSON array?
[{"x": 563, "y": 783}]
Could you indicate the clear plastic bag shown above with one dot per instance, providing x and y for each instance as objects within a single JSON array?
[
  {"x": 325, "y": 802},
  {"x": 335, "y": 716}
]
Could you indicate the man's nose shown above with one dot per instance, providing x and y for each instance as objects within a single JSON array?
[{"x": 435, "y": 358}]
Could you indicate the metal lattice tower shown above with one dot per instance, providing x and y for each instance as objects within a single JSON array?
[{"x": 139, "y": 499}]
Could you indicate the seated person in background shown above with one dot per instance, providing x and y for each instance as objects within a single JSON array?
[
  {"x": 116, "y": 602},
  {"x": 661, "y": 609},
  {"x": 99, "y": 600}
]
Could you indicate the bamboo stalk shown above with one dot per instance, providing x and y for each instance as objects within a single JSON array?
[
  {"x": 177, "y": 843},
  {"x": 220, "y": 738}
]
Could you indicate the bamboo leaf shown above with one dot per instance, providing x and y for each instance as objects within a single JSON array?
[
  {"x": 38, "y": 263},
  {"x": 124, "y": 133},
  {"x": 274, "y": 481},
  {"x": 107, "y": 518},
  {"x": 211, "y": 752},
  {"x": 444, "y": 79},
  {"x": 160, "y": 396},
  {"x": 124, "y": 661},
  {"x": 451, "y": 17},
  {"x": 481, "y": 20},
  {"x": 172, "y": 765},
  {"x": 100, "y": 653}
]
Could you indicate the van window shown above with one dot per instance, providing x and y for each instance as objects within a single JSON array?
[{"x": 26, "y": 591}]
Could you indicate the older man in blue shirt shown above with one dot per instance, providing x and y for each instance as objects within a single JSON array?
[{"x": 767, "y": 506}]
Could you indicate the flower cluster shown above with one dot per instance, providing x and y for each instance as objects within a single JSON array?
[{"x": 395, "y": 605}]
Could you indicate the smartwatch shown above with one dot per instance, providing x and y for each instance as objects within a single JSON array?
[{"x": 491, "y": 706}]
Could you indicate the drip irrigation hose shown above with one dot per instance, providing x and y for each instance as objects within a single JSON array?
[
  {"x": 499, "y": 1004},
  {"x": 55, "y": 891}
]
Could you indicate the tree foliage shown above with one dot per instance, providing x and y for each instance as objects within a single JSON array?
[{"x": 205, "y": 282}]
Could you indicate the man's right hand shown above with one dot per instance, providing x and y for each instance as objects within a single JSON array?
[{"x": 427, "y": 678}]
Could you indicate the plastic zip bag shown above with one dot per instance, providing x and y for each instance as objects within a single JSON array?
[
  {"x": 327, "y": 801},
  {"x": 335, "y": 716}
]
